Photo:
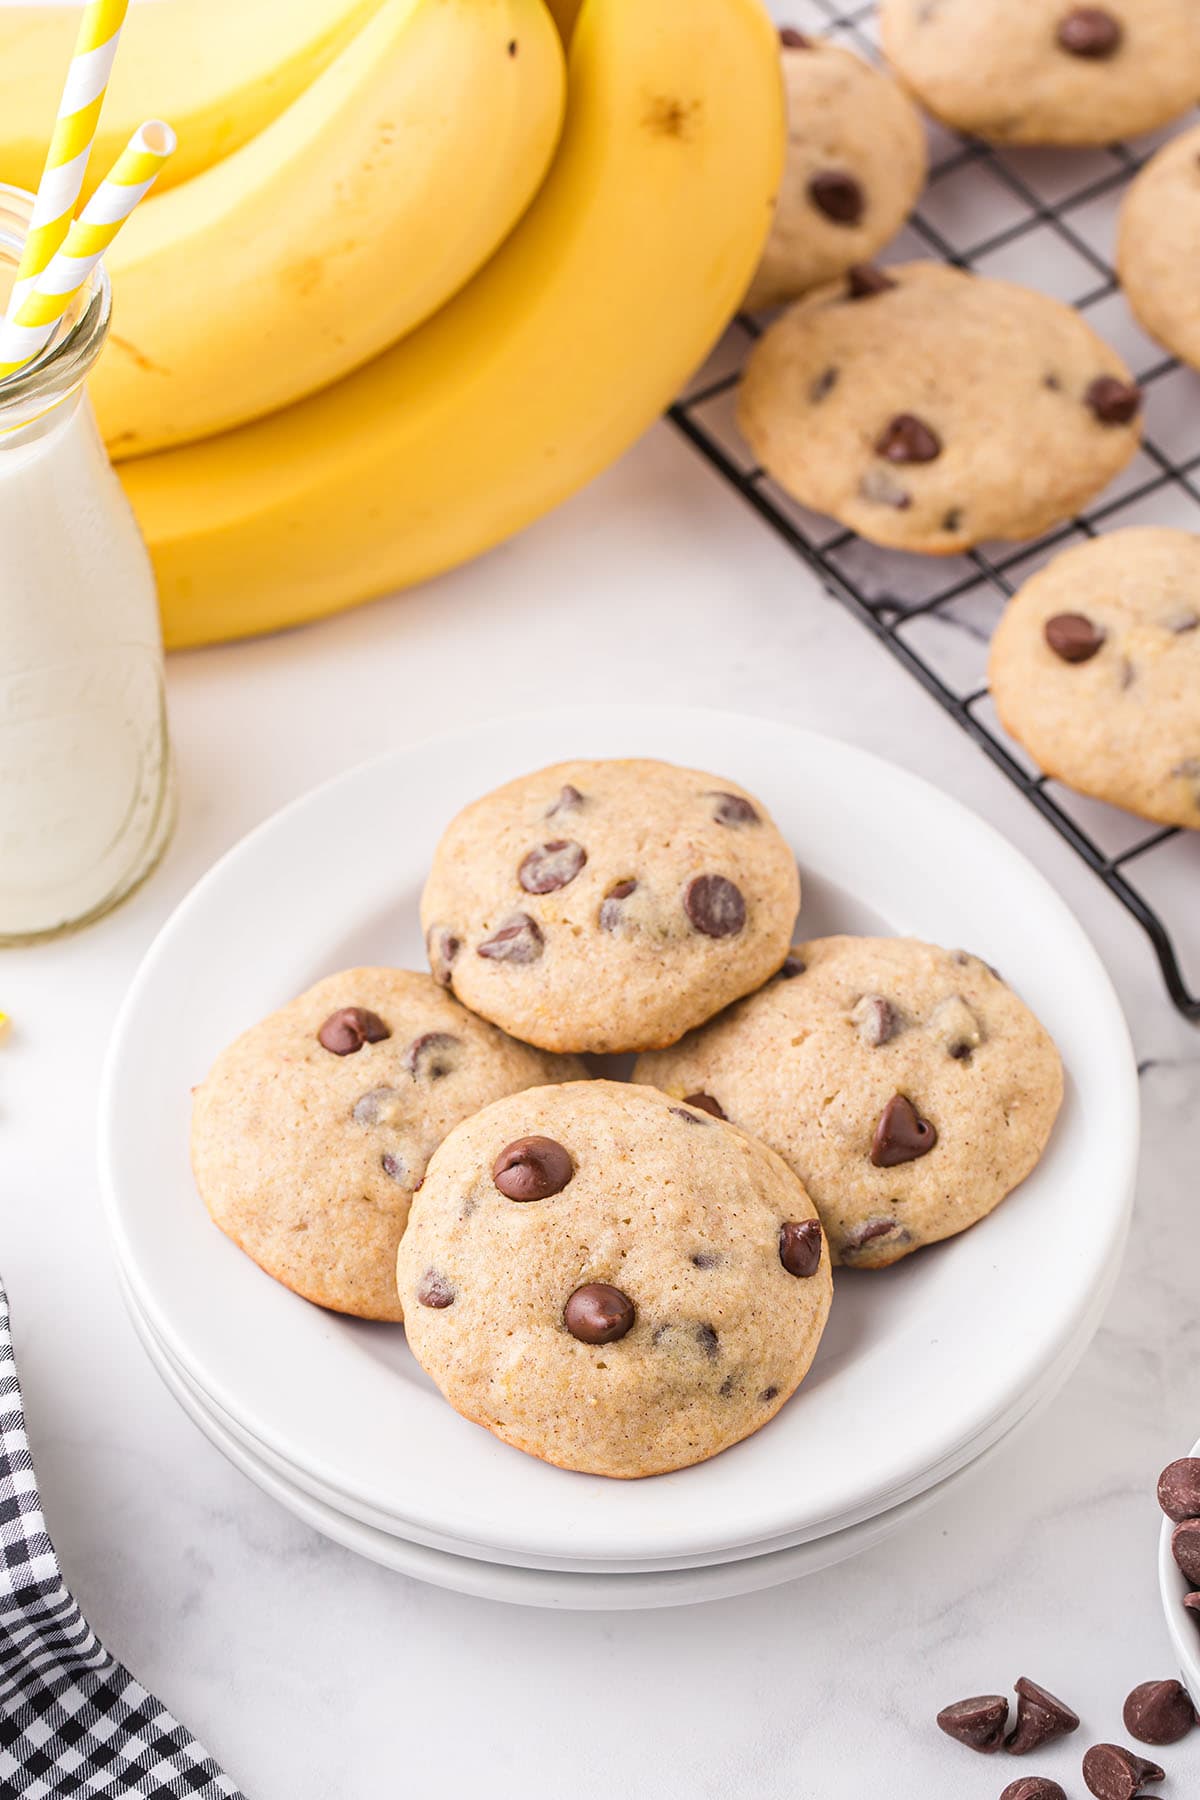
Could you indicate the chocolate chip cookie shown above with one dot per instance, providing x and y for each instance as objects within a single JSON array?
[
  {"x": 609, "y": 906},
  {"x": 610, "y": 1280},
  {"x": 313, "y": 1128},
  {"x": 907, "y": 1086},
  {"x": 855, "y": 165},
  {"x": 1046, "y": 71},
  {"x": 1157, "y": 246},
  {"x": 930, "y": 410},
  {"x": 1095, "y": 668}
]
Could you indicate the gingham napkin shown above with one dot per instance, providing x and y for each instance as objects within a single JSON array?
[{"x": 72, "y": 1720}]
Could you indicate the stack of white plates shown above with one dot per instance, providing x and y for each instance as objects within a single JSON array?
[{"x": 923, "y": 1369}]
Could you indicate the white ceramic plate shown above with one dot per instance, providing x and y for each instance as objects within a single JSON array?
[
  {"x": 1184, "y": 1626},
  {"x": 519, "y": 1586},
  {"x": 919, "y": 1367}
]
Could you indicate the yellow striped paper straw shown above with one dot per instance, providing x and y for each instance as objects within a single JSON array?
[
  {"x": 71, "y": 143},
  {"x": 88, "y": 237}
]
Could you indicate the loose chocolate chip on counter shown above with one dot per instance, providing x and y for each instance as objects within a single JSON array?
[
  {"x": 733, "y": 809},
  {"x": 875, "y": 1019},
  {"x": 864, "y": 281},
  {"x": 791, "y": 39},
  {"x": 956, "y": 1028},
  {"x": 1179, "y": 1489},
  {"x": 1113, "y": 402},
  {"x": 978, "y": 1723},
  {"x": 822, "y": 385},
  {"x": 435, "y": 1290},
  {"x": 532, "y": 1168},
  {"x": 1033, "y": 1787},
  {"x": 800, "y": 1246},
  {"x": 1185, "y": 1548},
  {"x": 1041, "y": 1718},
  {"x": 394, "y": 1168},
  {"x": 598, "y": 1314},
  {"x": 1073, "y": 636},
  {"x": 838, "y": 195},
  {"x": 610, "y": 906},
  {"x": 569, "y": 800},
  {"x": 706, "y": 1103},
  {"x": 714, "y": 906},
  {"x": 443, "y": 947},
  {"x": 901, "y": 1134},
  {"x": 519, "y": 940},
  {"x": 379, "y": 1106},
  {"x": 549, "y": 867},
  {"x": 792, "y": 966},
  {"x": 347, "y": 1030},
  {"x": 1089, "y": 31},
  {"x": 883, "y": 491},
  {"x": 1159, "y": 1712},
  {"x": 907, "y": 439},
  {"x": 431, "y": 1055},
  {"x": 1113, "y": 1773}
]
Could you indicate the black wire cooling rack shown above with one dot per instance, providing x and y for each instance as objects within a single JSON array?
[{"x": 1048, "y": 219}]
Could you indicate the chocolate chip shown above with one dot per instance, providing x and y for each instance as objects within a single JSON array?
[
  {"x": 1113, "y": 402},
  {"x": 519, "y": 940},
  {"x": 1181, "y": 620},
  {"x": 793, "y": 965},
  {"x": 838, "y": 195},
  {"x": 864, "y": 281},
  {"x": 822, "y": 385},
  {"x": 598, "y": 1314},
  {"x": 730, "y": 1385},
  {"x": 714, "y": 906},
  {"x": 394, "y": 1168},
  {"x": 768, "y": 1394},
  {"x": 1179, "y": 1489},
  {"x": 532, "y": 1168},
  {"x": 435, "y": 1290},
  {"x": 431, "y": 1055},
  {"x": 800, "y": 1243},
  {"x": 876, "y": 1020},
  {"x": 881, "y": 489},
  {"x": 1192, "y": 1602},
  {"x": 347, "y": 1030},
  {"x": 1185, "y": 1548},
  {"x": 706, "y": 1259},
  {"x": 734, "y": 809},
  {"x": 1073, "y": 636},
  {"x": 569, "y": 800},
  {"x": 791, "y": 39},
  {"x": 1114, "y": 1773},
  {"x": 443, "y": 947},
  {"x": 706, "y": 1103},
  {"x": 859, "y": 1236},
  {"x": 901, "y": 1134},
  {"x": 691, "y": 1118},
  {"x": 1033, "y": 1787},
  {"x": 379, "y": 1106},
  {"x": 955, "y": 1027},
  {"x": 1040, "y": 1719},
  {"x": 610, "y": 906},
  {"x": 907, "y": 439},
  {"x": 1052, "y": 382},
  {"x": 1089, "y": 31},
  {"x": 548, "y": 867},
  {"x": 708, "y": 1341},
  {"x": 1159, "y": 1712},
  {"x": 978, "y": 1723},
  {"x": 952, "y": 520}
]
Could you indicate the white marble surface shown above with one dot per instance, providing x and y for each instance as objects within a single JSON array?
[{"x": 313, "y": 1675}]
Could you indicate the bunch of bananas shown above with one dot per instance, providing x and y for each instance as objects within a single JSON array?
[{"x": 416, "y": 279}]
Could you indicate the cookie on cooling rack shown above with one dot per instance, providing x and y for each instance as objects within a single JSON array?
[
  {"x": 611, "y": 1281},
  {"x": 855, "y": 165},
  {"x": 1095, "y": 668},
  {"x": 1156, "y": 246},
  {"x": 315, "y": 1126},
  {"x": 930, "y": 410},
  {"x": 609, "y": 906},
  {"x": 906, "y": 1086},
  {"x": 1046, "y": 71}
]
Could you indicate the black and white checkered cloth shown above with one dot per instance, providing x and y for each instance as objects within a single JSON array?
[{"x": 72, "y": 1720}]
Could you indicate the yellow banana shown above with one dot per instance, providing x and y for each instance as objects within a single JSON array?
[
  {"x": 566, "y": 346},
  {"x": 219, "y": 70},
  {"x": 351, "y": 218}
]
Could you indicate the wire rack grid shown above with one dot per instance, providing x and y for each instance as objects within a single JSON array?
[{"x": 1047, "y": 219}]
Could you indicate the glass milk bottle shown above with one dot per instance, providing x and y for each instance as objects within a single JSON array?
[{"x": 86, "y": 787}]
